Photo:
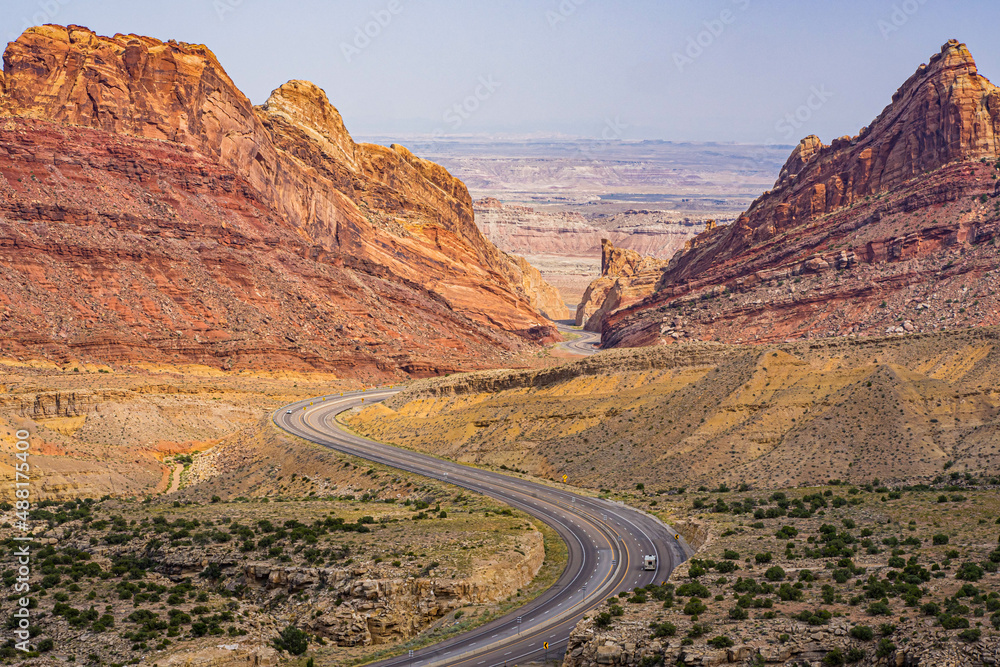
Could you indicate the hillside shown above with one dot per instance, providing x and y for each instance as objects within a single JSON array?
[
  {"x": 148, "y": 212},
  {"x": 894, "y": 229},
  {"x": 684, "y": 415}
]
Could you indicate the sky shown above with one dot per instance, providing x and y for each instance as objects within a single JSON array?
[{"x": 748, "y": 71}]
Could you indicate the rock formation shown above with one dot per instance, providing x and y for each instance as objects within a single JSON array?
[
  {"x": 626, "y": 278},
  {"x": 566, "y": 245},
  {"x": 177, "y": 219},
  {"x": 882, "y": 231}
]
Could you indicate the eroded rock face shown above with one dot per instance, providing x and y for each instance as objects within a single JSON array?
[
  {"x": 626, "y": 278},
  {"x": 381, "y": 611},
  {"x": 861, "y": 226},
  {"x": 283, "y": 175}
]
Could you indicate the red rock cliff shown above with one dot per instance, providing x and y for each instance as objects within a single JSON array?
[
  {"x": 380, "y": 210},
  {"x": 905, "y": 212}
]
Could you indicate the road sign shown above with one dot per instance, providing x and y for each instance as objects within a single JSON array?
[
  {"x": 545, "y": 644},
  {"x": 677, "y": 536},
  {"x": 565, "y": 477}
]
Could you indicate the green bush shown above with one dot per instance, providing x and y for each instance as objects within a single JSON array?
[
  {"x": 970, "y": 635},
  {"x": 665, "y": 629},
  {"x": 879, "y": 609},
  {"x": 720, "y": 642},
  {"x": 775, "y": 573},
  {"x": 293, "y": 640},
  {"x": 693, "y": 589},
  {"x": 969, "y": 572},
  {"x": 862, "y": 633},
  {"x": 834, "y": 657},
  {"x": 940, "y": 538},
  {"x": 695, "y": 607},
  {"x": 885, "y": 648}
]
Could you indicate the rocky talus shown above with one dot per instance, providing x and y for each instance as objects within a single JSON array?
[
  {"x": 176, "y": 221},
  {"x": 893, "y": 230}
]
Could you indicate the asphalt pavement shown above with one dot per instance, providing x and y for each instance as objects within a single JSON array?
[
  {"x": 582, "y": 342},
  {"x": 606, "y": 542}
]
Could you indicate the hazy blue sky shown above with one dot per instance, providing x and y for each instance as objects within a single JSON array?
[{"x": 575, "y": 67}]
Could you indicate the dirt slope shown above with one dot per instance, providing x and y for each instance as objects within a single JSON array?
[{"x": 800, "y": 413}]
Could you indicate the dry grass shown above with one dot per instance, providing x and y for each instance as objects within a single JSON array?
[{"x": 896, "y": 408}]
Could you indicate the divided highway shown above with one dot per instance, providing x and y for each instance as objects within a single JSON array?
[
  {"x": 606, "y": 542},
  {"x": 584, "y": 342}
]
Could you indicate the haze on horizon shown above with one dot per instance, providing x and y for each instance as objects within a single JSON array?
[{"x": 749, "y": 71}]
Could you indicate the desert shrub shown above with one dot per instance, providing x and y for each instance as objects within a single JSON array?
[
  {"x": 293, "y": 640},
  {"x": 665, "y": 629},
  {"x": 885, "y": 648},
  {"x": 694, "y": 607}
]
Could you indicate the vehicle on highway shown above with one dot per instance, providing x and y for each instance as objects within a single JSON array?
[
  {"x": 649, "y": 563},
  {"x": 288, "y": 412}
]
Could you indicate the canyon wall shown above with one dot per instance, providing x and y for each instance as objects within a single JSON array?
[
  {"x": 893, "y": 230},
  {"x": 178, "y": 219}
]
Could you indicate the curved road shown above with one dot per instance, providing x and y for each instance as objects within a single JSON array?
[
  {"x": 606, "y": 542},
  {"x": 587, "y": 342}
]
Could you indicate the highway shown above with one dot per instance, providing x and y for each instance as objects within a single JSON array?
[
  {"x": 585, "y": 342},
  {"x": 606, "y": 542}
]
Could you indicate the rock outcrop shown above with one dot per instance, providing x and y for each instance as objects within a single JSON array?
[
  {"x": 861, "y": 236},
  {"x": 566, "y": 245},
  {"x": 542, "y": 296},
  {"x": 626, "y": 278},
  {"x": 134, "y": 165},
  {"x": 362, "y": 609}
]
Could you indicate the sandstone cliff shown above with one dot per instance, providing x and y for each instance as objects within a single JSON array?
[
  {"x": 139, "y": 161},
  {"x": 883, "y": 230},
  {"x": 566, "y": 246},
  {"x": 626, "y": 278}
]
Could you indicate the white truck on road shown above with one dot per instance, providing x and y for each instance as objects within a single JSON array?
[{"x": 649, "y": 563}]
